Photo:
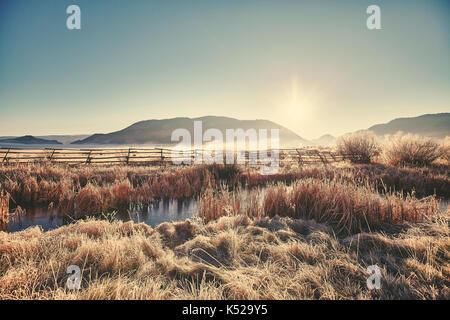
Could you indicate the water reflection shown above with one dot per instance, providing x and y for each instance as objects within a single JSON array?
[
  {"x": 162, "y": 211},
  {"x": 152, "y": 214}
]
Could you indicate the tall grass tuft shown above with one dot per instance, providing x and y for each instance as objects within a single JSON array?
[
  {"x": 89, "y": 201},
  {"x": 4, "y": 209},
  {"x": 345, "y": 206}
]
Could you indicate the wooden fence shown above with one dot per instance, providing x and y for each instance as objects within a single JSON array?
[{"x": 157, "y": 156}]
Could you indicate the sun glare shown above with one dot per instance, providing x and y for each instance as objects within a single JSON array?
[{"x": 298, "y": 101}]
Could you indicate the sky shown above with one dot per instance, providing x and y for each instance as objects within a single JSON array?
[{"x": 311, "y": 66}]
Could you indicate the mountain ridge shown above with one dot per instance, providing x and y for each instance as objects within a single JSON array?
[
  {"x": 159, "y": 131},
  {"x": 436, "y": 125},
  {"x": 432, "y": 125},
  {"x": 28, "y": 139}
]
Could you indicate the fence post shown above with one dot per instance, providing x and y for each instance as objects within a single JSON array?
[
  {"x": 128, "y": 156},
  {"x": 322, "y": 158},
  {"x": 6, "y": 154},
  {"x": 51, "y": 156},
  {"x": 88, "y": 159},
  {"x": 300, "y": 159},
  {"x": 332, "y": 156}
]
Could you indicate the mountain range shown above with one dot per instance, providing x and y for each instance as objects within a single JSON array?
[
  {"x": 429, "y": 125},
  {"x": 28, "y": 140},
  {"x": 159, "y": 131}
]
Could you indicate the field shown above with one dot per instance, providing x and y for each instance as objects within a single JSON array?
[
  {"x": 230, "y": 258},
  {"x": 308, "y": 232}
]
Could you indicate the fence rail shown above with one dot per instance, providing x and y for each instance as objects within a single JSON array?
[{"x": 136, "y": 156}]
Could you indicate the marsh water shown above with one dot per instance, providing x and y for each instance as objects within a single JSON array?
[{"x": 152, "y": 214}]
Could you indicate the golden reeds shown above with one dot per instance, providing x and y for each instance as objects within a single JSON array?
[
  {"x": 230, "y": 258},
  {"x": 41, "y": 183},
  {"x": 347, "y": 207}
]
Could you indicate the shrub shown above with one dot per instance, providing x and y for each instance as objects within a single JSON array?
[
  {"x": 446, "y": 149},
  {"x": 359, "y": 147},
  {"x": 409, "y": 149}
]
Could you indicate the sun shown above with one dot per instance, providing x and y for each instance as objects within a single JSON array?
[
  {"x": 299, "y": 100},
  {"x": 295, "y": 101}
]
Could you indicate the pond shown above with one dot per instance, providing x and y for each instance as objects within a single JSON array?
[{"x": 153, "y": 214}]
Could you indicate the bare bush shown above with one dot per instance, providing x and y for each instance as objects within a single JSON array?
[
  {"x": 409, "y": 149},
  {"x": 446, "y": 149},
  {"x": 359, "y": 147}
]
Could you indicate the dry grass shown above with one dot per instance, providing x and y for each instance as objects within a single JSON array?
[
  {"x": 310, "y": 233},
  {"x": 4, "y": 209},
  {"x": 446, "y": 149},
  {"x": 343, "y": 205},
  {"x": 422, "y": 182},
  {"x": 230, "y": 258},
  {"x": 94, "y": 189},
  {"x": 89, "y": 190}
]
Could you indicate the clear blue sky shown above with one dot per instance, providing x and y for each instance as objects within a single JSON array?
[{"x": 312, "y": 66}]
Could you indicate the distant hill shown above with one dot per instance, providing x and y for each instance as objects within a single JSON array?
[
  {"x": 65, "y": 139},
  {"x": 29, "y": 140},
  {"x": 430, "y": 125},
  {"x": 324, "y": 141},
  {"x": 160, "y": 131}
]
